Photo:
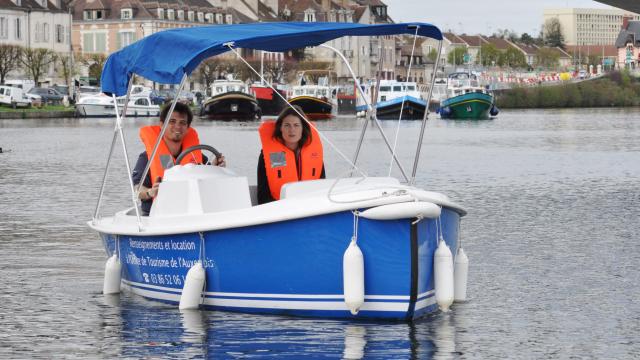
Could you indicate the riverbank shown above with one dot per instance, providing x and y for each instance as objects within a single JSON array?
[
  {"x": 45, "y": 112},
  {"x": 617, "y": 89}
]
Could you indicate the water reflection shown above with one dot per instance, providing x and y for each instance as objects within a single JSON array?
[
  {"x": 148, "y": 329},
  {"x": 354, "y": 342}
]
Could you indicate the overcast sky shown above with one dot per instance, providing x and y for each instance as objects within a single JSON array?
[{"x": 481, "y": 16}]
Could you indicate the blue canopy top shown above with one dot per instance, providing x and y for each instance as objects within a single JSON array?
[{"x": 166, "y": 56}]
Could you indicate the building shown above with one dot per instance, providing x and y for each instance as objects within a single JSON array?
[
  {"x": 589, "y": 26},
  {"x": 628, "y": 45},
  {"x": 35, "y": 24},
  {"x": 367, "y": 56},
  {"x": 105, "y": 26},
  {"x": 101, "y": 27},
  {"x": 44, "y": 24}
]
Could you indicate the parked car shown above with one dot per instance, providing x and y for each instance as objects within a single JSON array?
[
  {"x": 14, "y": 97},
  {"x": 156, "y": 98},
  {"x": 62, "y": 89},
  {"x": 583, "y": 74},
  {"x": 48, "y": 95}
]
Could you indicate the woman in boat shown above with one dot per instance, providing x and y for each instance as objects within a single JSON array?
[{"x": 293, "y": 153}]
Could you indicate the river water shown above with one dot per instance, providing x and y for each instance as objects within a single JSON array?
[{"x": 552, "y": 235}]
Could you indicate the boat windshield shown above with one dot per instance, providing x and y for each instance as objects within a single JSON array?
[{"x": 385, "y": 88}]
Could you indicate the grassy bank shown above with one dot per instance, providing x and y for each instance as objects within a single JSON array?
[
  {"x": 614, "y": 89},
  {"x": 47, "y": 108}
]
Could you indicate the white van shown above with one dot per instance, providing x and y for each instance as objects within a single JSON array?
[
  {"x": 23, "y": 84},
  {"x": 13, "y": 97}
]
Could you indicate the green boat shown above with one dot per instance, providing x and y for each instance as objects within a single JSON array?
[{"x": 467, "y": 99}]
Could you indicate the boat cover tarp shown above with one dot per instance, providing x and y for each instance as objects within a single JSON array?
[{"x": 166, "y": 56}]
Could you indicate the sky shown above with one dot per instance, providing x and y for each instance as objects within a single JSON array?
[{"x": 481, "y": 16}]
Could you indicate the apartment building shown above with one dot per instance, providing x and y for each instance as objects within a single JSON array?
[{"x": 589, "y": 26}]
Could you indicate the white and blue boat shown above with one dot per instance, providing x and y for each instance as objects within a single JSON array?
[
  {"x": 394, "y": 97},
  {"x": 355, "y": 248}
]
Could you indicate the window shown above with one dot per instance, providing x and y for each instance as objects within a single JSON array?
[
  {"x": 161, "y": 14},
  {"x": 229, "y": 19},
  {"x": 99, "y": 14},
  {"x": 142, "y": 101},
  {"x": 309, "y": 16},
  {"x": 218, "y": 18},
  {"x": 126, "y": 38},
  {"x": 18, "y": 29},
  {"x": 209, "y": 17},
  {"x": 45, "y": 32},
  {"x": 59, "y": 34},
  {"x": 180, "y": 14},
  {"x": 94, "y": 42},
  {"x": 170, "y": 14},
  {"x": 200, "y": 16},
  {"x": 4, "y": 28},
  {"x": 88, "y": 15},
  {"x": 126, "y": 14},
  {"x": 190, "y": 15},
  {"x": 38, "y": 37}
]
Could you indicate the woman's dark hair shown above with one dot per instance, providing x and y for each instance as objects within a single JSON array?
[
  {"x": 306, "y": 129},
  {"x": 180, "y": 108}
]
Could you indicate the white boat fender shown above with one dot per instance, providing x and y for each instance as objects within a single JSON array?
[
  {"x": 443, "y": 264},
  {"x": 193, "y": 286},
  {"x": 402, "y": 210},
  {"x": 460, "y": 273},
  {"x": 112, "y": 275},
  {"x": 353, "y": 277}
]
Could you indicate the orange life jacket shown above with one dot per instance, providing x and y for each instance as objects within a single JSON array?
[
  {"x": 163, "y": 159},
  {"x": 280, "y": 161}
]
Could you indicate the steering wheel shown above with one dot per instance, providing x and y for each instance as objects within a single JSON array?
[{"x": 191, "y": 149}]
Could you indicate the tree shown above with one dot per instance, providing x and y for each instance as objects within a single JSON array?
[
  {"x": 432, "y": 55},
  {"x": 208, "y": 71},
  {"x": 66, "y": 67},
  {"x": 9, "y": 55},
  {"x": 512, "y": 57},
  {"x": 489, "y": 54},
  {"x": 95, "y": 62},
  {"x": 37, "y": 62},
  {"x": 456, "y": 57},
  {"x": 594, "y": 59},
  {"x": 552, "y": 31},
  {"x": 547, "y": 57},
  {"x": 527, "y": 39}
]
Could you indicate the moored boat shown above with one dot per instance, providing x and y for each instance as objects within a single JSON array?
[
  {"x": 231, "y": 100},
  {"x": 466, "y": 99},
  {"x": 102, "y": 106},
  {"x": 316, "y": 100},
  {"x": 392, "y": 97},
  {"x": 271, "y": 101},
  {"x": 353, "y": 248}
]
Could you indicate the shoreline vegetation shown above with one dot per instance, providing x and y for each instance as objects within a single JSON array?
[{"x": 616, "y": 89}]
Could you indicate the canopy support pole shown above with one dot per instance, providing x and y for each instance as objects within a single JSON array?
[
  {"x": 426, "y": 114},
  {"x": 165, "y": 123},
  {"x": 117, "y": 129},
  {"x": 395, "y": 141},
  {"x": 119, "y": 119},
  {"x": 375, "y": 118}
]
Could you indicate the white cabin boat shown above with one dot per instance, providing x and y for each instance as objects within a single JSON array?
[{"x": 102, "y": 106}]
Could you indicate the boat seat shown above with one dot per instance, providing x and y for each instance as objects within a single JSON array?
[{"x": 200, "y": 189}]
